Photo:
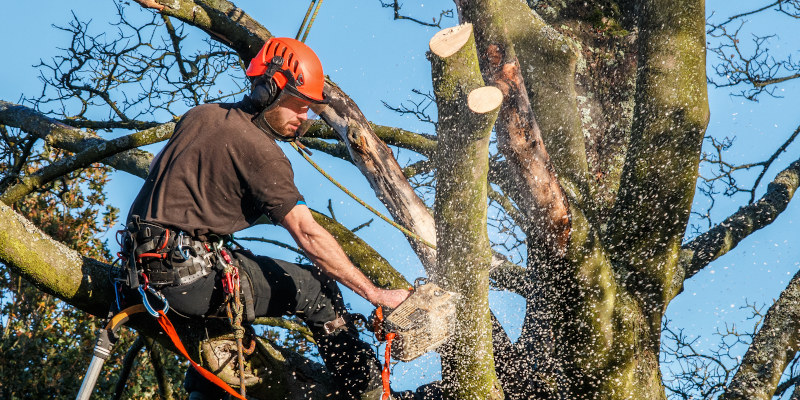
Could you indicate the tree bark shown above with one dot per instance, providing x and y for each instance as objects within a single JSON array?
[
  {"x": 518, "y": 136},
  {"x": 658, "y": 180},
  {"x": 467, "y": 112}
]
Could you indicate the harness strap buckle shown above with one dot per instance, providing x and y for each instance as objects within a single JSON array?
[{"x": 334, "y": 325}]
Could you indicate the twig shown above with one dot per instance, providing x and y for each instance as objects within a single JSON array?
[
  {"x": 769, "y": 161},
  {"x": 286, "y": 324},
  {"x": 330, "y": 208},
  {"x": 395, "y": 5},
  {"x": 275, "y": 242},
  {"x": 83, "y": 159},
  {"x": 364, "y": 225}
]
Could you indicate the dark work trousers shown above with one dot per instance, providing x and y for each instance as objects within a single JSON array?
[{"x": 281, "y": 288}]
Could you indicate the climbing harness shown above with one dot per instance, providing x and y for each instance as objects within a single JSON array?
[
  {"x": 106, "y": 337},
  {"x": 155, "y": 255}
]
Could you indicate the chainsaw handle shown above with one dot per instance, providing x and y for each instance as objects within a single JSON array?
[{"x": 419, "y": 282}]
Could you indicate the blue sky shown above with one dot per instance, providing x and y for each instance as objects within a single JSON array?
[{"x": 374, "y": 58}]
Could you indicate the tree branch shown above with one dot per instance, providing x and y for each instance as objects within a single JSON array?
[
  {"x": 287, "y": 324},
  {"x": 127, "y": 365},
  {"x": 419, "y": 143},
  {"x": 221, "y": 19},
  {"x": 375, "y": 161},
  {"x": 505, "y": 275},
  {"x": 507, "y": 206},
  {"x": 362, "y": 255},
  {"x": 396, "y": 6},
  {"x": 337, "y": 150},
  {"x": 109, "y": 125},
  {"x": 773, "y": 347},
  {"x": 766, "y": 164},
  {"x": 660, "y": 172},
  {"x": 722, "y": 238},
  {"x": 418, "y": 168},
  {"x": 756, "y": 11},
  {"x": 272, "y": 242},
  {"x": 467, "y": 112},
  {"x": 83, "y": 159},
  {"x": 61, "y": 136},
  {"x": 164, "y": 385}
]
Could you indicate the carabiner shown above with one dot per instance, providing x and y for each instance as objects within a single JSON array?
[
  {"x": 146, "y": 302},
  {"x": 184, "y": 253}
]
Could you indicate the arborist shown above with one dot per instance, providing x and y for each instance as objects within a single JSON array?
[{"x": 221, "y": 172}]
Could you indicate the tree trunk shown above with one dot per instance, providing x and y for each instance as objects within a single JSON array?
[{"x": 467, "y": 112}]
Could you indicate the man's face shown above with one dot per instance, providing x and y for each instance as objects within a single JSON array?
[{"x": 287, "y": 115}]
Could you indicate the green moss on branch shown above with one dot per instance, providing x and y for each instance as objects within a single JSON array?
[{"x": 364, "y": 257}]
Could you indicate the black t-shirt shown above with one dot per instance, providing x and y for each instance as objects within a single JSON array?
[{"x": 218, "y": 174}]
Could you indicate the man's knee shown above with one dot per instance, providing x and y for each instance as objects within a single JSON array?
[{"x": 320, "y": 298}]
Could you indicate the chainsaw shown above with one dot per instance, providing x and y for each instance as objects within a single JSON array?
[{"x": 420, "y": 324}]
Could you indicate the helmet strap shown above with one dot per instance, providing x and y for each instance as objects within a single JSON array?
[{"x": 261, "y": 122}]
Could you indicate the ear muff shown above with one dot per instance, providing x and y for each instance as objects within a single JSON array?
[{"x": 263, "y": 93}]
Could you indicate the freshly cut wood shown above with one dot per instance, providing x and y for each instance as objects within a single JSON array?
[
  {"x": 448, "y": 41},
  {"x": 485, "y": 99}
]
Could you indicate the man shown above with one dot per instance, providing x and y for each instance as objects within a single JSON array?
[{"x": 222, "y": 171}]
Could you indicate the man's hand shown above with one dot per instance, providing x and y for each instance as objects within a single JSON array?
[{"x": 390, "y": 298}]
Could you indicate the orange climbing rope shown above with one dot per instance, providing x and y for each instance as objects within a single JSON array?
[{"x": 173, "y": 336}]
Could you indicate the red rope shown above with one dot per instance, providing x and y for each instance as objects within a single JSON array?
[
  {"x": 166, "y": 239},
  {"x": 385, "y": 374},
  {"x": 151, "y": 255},
  {"x": 173, "y": 335}
]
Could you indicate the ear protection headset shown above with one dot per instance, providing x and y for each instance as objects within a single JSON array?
[{"x": 264, "y": 90}]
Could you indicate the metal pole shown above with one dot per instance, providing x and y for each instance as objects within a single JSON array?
[{"x": 102, "y": 350}]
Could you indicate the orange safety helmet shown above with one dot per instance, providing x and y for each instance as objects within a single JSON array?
[{"x": 297, "y": 68}]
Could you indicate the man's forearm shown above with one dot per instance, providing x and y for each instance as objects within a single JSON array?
[{"x": 323, "y": 250}]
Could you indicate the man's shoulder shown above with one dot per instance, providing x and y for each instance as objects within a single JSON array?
[{"x": 219, "y": 112}]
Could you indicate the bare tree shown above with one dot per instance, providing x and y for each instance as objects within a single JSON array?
[{"x": 599, "y": 112}]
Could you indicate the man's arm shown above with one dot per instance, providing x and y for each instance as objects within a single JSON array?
[{"x": 328, "y": 256}]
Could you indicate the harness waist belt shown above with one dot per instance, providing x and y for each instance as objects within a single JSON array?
[{"x": 168, "y": 257}]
